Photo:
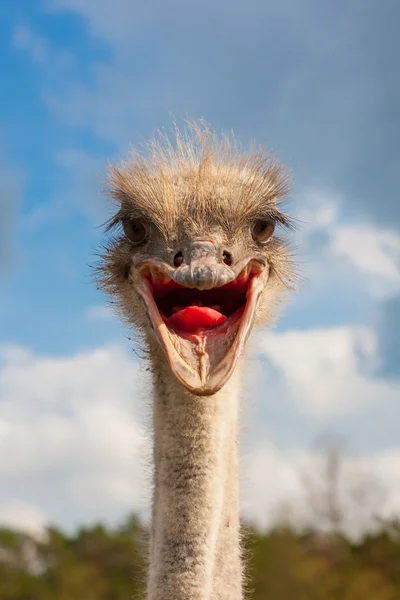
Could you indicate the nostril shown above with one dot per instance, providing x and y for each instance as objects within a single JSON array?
[
  {"x": 178, "y": 259},
  {"x": 227, "y": 258}
]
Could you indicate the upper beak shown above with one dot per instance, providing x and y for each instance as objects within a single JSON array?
[{"x": 204, "y": 268}]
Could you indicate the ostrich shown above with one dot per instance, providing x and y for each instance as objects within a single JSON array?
[{"x": 192, "y": 264}]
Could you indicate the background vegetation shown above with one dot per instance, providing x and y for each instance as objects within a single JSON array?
[{"x": 99, "y": 563}]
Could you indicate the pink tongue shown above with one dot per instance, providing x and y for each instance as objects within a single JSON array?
[{"x": 192, "y": 318}]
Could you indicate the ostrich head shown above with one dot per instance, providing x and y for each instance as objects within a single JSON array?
[{"x": 195, "y": 259}]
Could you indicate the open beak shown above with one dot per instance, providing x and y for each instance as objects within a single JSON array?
[{"x": 202, "y": 331}]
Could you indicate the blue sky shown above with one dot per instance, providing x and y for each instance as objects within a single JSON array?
[{"x": 317, "y": 83}]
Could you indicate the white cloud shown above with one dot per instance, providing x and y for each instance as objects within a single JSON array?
[
  {"x": 39, "y": 49},
  {"x": 269, "y": 480},
  {"x": 326, "y": 372},
  {"x": 373, "y": 250},
  {"x": 87, "y": 175},
  {"x": 291, "y": 485},
  {"x": 357, "y": 261},
  {"x": 106, "y": 108},
  {"x": 70, "y": 438},
  {"x": 73, "y": 448},
  {"x": 115, "y": 23},
  {"x": 25, "y": 39},
  {"x": 318, "y": 210},
  {"x": 23, "y": 517}
]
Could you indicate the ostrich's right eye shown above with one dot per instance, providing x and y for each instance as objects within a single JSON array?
[
  {"x": 136, "y": 231},
  {"x": 262, "y": 230}
]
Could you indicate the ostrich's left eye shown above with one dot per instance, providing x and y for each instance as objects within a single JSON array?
[
  {"x": 262, "y": 230},
  {"x": 136, "y": 231}
]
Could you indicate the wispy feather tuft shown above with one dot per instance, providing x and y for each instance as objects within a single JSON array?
[{"x": 198, "y": 177}]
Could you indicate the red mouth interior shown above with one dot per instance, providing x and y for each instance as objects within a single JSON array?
[{"x": 193, "y": 310}]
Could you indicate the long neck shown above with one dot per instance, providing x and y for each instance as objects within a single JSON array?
[{"x": 194, "y": 542}]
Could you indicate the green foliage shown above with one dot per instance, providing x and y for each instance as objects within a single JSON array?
[
  {"x": 284, "y": 565},
  {"x": 98, "y": 563},
  {"x": 95, "y": 564}
]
